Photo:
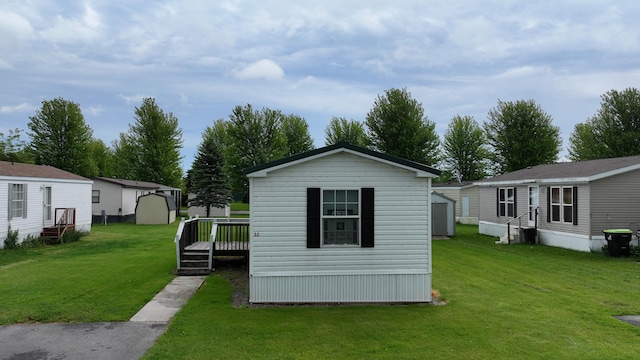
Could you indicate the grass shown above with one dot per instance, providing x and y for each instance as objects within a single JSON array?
[
  {"x": 505, "y": 302},
  {"x": 107, "y": 276}
]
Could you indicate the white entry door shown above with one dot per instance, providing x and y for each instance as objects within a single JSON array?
[
  {"x": 533, "y": 204},
  {"x": 47, "y": 216}
]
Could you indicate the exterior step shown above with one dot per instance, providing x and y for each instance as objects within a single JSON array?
[
  {"x": 186, "y": 263},
  {"x": 193, "y": 271},
  {"x": 195, "y": 255}
]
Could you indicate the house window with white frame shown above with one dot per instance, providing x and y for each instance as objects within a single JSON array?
[
  {"x": 17, "y": 201},
  {"x": 340, "y": 217},
  {"x": 562, "y": 202},
  {"x": 506, "y": 202}
]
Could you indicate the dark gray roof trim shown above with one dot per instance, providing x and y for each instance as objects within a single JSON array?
[
  {"x": 364, "y": 151},
  {"x": 581, "y": 170},
  {"x": 135, "y": 184}
]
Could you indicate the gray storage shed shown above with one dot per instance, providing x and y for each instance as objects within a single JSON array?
[{"x": 443, "y": 215}]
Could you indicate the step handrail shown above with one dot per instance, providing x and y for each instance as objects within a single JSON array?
[{"x": 519, "y": 218}]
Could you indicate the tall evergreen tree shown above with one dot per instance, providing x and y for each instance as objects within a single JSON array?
[
  {"x": 343, "y": 130},
  {"x": 613, "y": 132},
  {"x": 60, "y": 137},
  {"x": 397, "y": 126},
  {"x": 465, "y": 149},
  {"x": 521, "y": 134},
  {"x": 207, "y": 179}
]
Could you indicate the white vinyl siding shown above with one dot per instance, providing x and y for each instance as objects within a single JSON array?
[
  {"x": 278, "y": 215},
  {"x": 64, "y": 194}
]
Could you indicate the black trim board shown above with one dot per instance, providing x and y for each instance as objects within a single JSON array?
[{"x": 343, "y": 145}]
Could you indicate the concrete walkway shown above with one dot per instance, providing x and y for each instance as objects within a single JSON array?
[{"x": 119, "y": 340}]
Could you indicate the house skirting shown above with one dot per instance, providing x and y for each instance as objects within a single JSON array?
[
  {"x": 550, "y": 238},
  {"x": 360, "y": 288}
]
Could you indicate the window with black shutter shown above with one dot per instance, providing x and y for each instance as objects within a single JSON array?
[{"x": 340, "y": 217}]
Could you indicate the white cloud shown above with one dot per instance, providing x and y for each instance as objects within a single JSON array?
[
  {"x": 24, "y": 107},
  {"x": 132, "y": 99},
  {"x": 85, "y": 27},
  {"x": 261, "y": 69}
]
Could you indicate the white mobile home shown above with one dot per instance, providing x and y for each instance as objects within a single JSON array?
[
  {"x": 32, "y": 193},
  {"x": 340, "y": 224},
  {"x": 118, "y": 198}
]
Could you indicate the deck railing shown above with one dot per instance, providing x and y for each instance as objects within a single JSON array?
[
  {"x": 224, "y": 235},
  {"x": 65, "y": 220}
]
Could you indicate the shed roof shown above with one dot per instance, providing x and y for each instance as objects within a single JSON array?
[
  {"x": 14, "y": 169},
  {"x": 135, "y": 184},
  {"x": 263, "y": 169},
  {"x": 171, "y": 204},
  {"x": 579, "y": 171}
]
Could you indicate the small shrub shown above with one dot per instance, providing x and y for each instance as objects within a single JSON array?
[
  {"x": 11, "y": 242},
  {"x": 73, "y": 236},
  {"x": 634, "y": 251},
  {"x": 32, "y": 242}
]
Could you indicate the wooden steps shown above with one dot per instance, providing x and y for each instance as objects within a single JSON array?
[{"x": 194, "y": 262}]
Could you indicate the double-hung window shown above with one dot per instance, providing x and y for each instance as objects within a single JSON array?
[
  {"x": 95, "y": 196},
  {"x": 562, "y": 204},
  {"x": 17, "y": 201},
  {"x": 340, "y": 217},
  {"x": 506, "y": 202}
]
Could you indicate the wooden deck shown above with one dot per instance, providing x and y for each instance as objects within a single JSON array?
[{"x": 240, "y": 246}]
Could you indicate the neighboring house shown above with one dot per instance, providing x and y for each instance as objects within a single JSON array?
[
  {"x": 340, "y": 224},
  {"x": 117, "y": 198},
  {"x": 443, "y": 215},
  {"x": 466, "y": 196},
  {"x": 201, "y": 211},
  {"x": 30, "y": 195},
  {"x": 156, "y": 208},
  {"x": 575, "y": 201}
]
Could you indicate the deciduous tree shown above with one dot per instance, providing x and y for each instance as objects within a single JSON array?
[
  {"x": 613, "y": 132},
  {"x": 521, "y": 134},
  {"x": 13, "y": 148},
  {"x": 60, "y": 137},
  {"x": 253, "y": 137},
  {"x": 296, "y": 132},
  {"x": 152, "y": 146},
  {"x": 343, "y": 130},
  {"x": 397, "y": 126},
  {"x": 465, "y": 149}
]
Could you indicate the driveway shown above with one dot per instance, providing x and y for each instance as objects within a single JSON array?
[{"x": 105, "y": 340}]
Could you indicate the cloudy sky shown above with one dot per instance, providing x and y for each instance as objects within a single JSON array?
[{"x": 317, "y": 59}]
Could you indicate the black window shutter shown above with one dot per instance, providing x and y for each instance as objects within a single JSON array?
[
  {"x": 367, "y": 209},
  {"x": 515, "y": 203},
  {"x": 313, "y": 217},
  {"x": 498, "y": 202},
  {"x": 548, "y": 203},
  {"x": 575, "y": 205}
]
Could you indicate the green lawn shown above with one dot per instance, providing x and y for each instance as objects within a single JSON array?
[
  {"x": 505, "y": 302},
  {"x": 106, "y": 276}
]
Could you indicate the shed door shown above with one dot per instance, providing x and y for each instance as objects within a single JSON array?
[{"x": 439, "y": 219}]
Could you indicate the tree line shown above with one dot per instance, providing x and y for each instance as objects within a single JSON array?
[{"x": 516, "y": 134}]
